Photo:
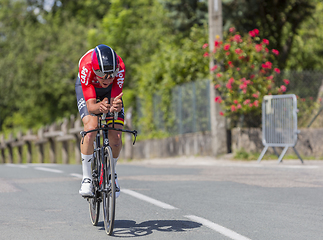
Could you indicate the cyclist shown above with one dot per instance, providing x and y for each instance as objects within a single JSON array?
[{"x": 98, "y": 90}]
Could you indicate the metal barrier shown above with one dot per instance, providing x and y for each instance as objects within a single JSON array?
[{"x": 279, "y": 123}]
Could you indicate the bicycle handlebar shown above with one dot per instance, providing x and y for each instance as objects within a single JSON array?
[{"x": 134, "y": 132}]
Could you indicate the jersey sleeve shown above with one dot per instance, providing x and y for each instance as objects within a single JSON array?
[
  {"x": 85, "y": 71},
  {"x": 118, "y": 81},
  {"x": 88, "y": 91}
]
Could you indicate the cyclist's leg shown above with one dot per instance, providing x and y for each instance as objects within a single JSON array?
[
  {"x": 89, "y": 122},
  {"x": 115, "y": 141}
]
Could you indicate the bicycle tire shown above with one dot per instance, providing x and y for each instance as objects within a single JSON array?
[
  {"x": 94, "y": 203},
  {"x": 109, "y": 193}
]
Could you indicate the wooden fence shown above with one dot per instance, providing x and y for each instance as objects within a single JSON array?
[
  {"x": 67, "y": 130},
  {"x": 66, "y": 133}
]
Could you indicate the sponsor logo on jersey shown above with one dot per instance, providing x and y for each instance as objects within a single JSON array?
[
  {"x": 84, "y": 73},
  {"x": 120, "y": 78}
]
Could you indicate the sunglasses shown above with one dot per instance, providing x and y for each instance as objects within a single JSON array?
[{"x": 112, "y": 74}]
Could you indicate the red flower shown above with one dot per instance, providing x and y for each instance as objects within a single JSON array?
[
  {"x": 217, "y": 86},
  {"x": 227, "y": 53},
  {"x": 286, "y": 81},
  {"x": 275, "y": 51},
  {"x": 228, "y": 85},
  {"x": 206, "y": 54},
  {"x": 239, "y": 106},
  {"x": 218, "y": 99},
  {"x": 205, "y": 45},
  {"x": 256, "y": 103},
  {"x": 258, "y": 47},
  {"x": 214, "y": 68},
  {"x": 283, "y": 88},
  {"x": 233, "y": 108},
  {"x": 237, "y": 38},
  {"x": 255, "y": 95},
  {"x": 254, "y": 33},
  {"x": 235, "y": 101},
  {"x": 226, "y": 47},
  {"x": 277, "y": 70},
  {"x": 232, "y": 29},
  {"x": 221, "y": 113},
  {"x": 219, "y": 75},
  {"x": 216, "y": 43},
  {"x": 246, "y": 102},
  {"x": 238, "y": 51},
  {"x": 267, "y": 65},
  {"x": 265, "y": 41}
]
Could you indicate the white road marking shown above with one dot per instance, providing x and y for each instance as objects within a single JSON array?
[
  {"x": 77, "y": 175},
  {"x": 49, "y": 170},
  {"x": 147, "y": 199},
  {"x": 16, "y": 165},
  {"x": 224, "y": 231}
]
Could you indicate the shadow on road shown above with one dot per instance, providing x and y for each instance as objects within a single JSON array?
[{"x": 128, "y": 228}]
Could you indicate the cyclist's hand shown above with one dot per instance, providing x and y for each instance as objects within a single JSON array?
[
  {"x": 104, "y": 105},
  {"x": 116, "y": 105}
]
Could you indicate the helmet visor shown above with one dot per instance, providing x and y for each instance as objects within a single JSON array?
[{"x": 101, "y": 74}]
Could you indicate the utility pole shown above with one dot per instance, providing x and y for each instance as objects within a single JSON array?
[{"x": 218, "y": 126}]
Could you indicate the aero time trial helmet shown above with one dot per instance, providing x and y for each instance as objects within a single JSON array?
[{"x": 104, "y": 61}]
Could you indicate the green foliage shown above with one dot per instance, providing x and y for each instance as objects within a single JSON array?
[
  {"x": 244, "y": 74},
  {"x": 170, "y": 66},
  {"x": 184, "y": 14},
  {"x": 307, "y": 49},
  {"x": 307, "y": 108},
  {"x": 40, "y": 70},
  {"x": 277, "y": 21}
]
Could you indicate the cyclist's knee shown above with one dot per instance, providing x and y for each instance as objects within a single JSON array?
[
  {"x": 115, "y": 139},
  {"x": 90, "y": 123}
]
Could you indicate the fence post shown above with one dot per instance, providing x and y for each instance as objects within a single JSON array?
[
  {"x": 8, "y": 144},
  {"x": 40, "y": 144},
  {"x": 52, "y": 145},
  {"x": 65, "y": 138},
  {"x": 28, "y": 138},
  {"x": 64, "y": 143},
  {"x": 19, "y": 144},
  {"x": 2, "y": 147}
]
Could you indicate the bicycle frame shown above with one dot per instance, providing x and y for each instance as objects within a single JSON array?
[{"x": 105, "y": 187}]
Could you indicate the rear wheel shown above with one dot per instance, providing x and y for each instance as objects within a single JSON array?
[
  {"x": 108, "y": 195},
  {"x": 94, "y": 203}
]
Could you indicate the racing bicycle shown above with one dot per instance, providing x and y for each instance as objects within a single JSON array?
[{"x": 103, "y": 173}]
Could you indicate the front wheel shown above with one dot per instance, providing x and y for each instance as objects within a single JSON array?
[
  {"x": 109, "y": 193},
  {"x": 94, "y": 203}
]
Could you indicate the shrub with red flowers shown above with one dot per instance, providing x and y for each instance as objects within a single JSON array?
[{"x": 244, "y": 73}]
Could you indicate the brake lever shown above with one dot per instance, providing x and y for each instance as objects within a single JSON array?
[
  {"x": 134, "y": 132},
  {"x": 83, "y": 133}
]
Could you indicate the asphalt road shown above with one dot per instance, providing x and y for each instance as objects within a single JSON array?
[{"x": 180, "y": 198}]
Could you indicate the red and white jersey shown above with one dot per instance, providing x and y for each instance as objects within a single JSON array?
[{"x": 89, "y": 81}]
